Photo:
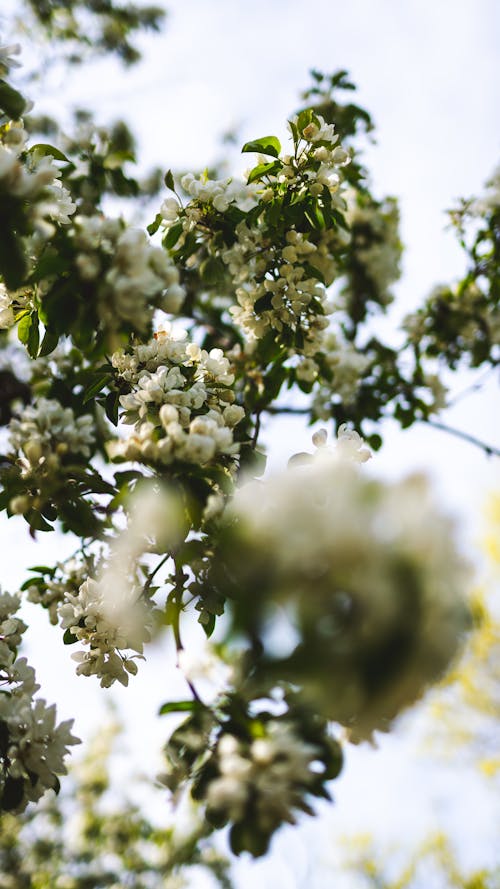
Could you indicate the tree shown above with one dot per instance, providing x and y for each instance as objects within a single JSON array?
[{"x": 276, "y": 280}]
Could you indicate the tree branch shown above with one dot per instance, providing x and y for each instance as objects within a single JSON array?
[{"x": 489, "y": 450}]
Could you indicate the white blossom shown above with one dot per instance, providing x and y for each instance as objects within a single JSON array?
[
  {"x": 273, "y": 772},
  {"x": 180, "y": 402}
]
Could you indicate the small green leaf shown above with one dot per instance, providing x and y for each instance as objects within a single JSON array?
[
  {"x": 111, "y": 406},
  {"x": 169, "y": 180},
  {"x": 172, "y": 236},
  {"x": 211, "y": 270},
  {"x": 49, "y": 342},
  {"x": 23, "y": 329},
  {"x": 208, "y": 624},
  {"x": 116, "y": 160},
  {"x": 155, "y": 225},
  {"x": 37, "y": 521},
  {"x": 34, "y": 336},
  {"x": 43, "y": 149},
  {"x": 179, "y": 707},
  {"x": 269, "y": 145},
  {"x": 262, "y": 170},
  {"x": 69, "y": 638},
  {"x": 12, "y": 102},
  {"x": 96, "y": 386},
  {"x": 304, "y": 119}
]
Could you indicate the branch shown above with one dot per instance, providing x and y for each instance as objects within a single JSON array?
[
  {"x": 489, "y": 450},
  {"x": 287, "y": 410}
]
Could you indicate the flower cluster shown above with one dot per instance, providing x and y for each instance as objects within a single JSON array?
[
  {"x": 374, "y": 250},
  {"x": 32, "y": 746},
  {"x": 370, "y": 576},
  {"x": 54, "y": 584},
  {"x": 47, "y": 428},
  {"x": 109, "y": 624},
  {"x": 338, "y": 369},
  {"x": 216, "y": 193},
  {"x": 281, "y": 281},
  {"x": 275, "y": 276},
  {"x": 261, "y": 782},
  {"x": 131, "y": 277},
  {"x": 181, "y": 402},
  {"x": 31, "y": 179},
  {"x": 46, "y": 439},
  {"x": 457, "y": 323}
]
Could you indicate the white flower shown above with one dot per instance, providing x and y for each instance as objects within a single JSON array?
[{"x": 180, "y": 402}]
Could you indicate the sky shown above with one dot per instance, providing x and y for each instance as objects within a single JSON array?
[{"x": 428, "y": 72}]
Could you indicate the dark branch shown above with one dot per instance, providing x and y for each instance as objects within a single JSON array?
[{"x": 489, "y": 450}]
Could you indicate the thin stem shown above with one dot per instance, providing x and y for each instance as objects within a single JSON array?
[
  {"x": 153, "y": 573},
  {"x": 474, "y": 387},
  {"x": 287, "y": 410},
  {"x": 255, "y": 436},
  {"x": 179, "y": 590},
  {"x": 489, "y": 450}
]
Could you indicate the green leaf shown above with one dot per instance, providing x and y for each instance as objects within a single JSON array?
[
  {"x": 208, "y": 624},
  {"x": 179, "y": 707},
  {"x": 211, "y": 270},
  {"x": 69, "y": 638},
  {"x": 269, "y": 145},
  {"x": 28, "y": 333},
  {"x": 33, "y": 336},
  {"x": 111, "y": 406},
  {"x": 43, "y": 149},
  {"x": 304, "y": 119},
  {"x": 155, "y": 225},
  {"x": 37, "y": 521},
  {"x": 169, "y": 180},
  {"x": 116, "y": 160},
  {"x": 262, "y": 170},
  {"x": 49, "y": 342},
  {"x": 172, "y": 236},
  {"x": 23, "y": 329},
  {"x": 12, "y": 102},
  {"x": 97, "y": 386},
  {"x": 43, "y": 569}
]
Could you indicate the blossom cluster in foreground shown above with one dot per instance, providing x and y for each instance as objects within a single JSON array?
[{"x": 368, "y": 574}]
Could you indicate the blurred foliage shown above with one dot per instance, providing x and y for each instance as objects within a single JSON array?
[
  {"x": 95, "y": 26},
  {"x": 89, "y": 837}
]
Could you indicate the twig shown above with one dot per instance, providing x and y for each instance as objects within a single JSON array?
[
  {"x": 473, "y": 387},
  {"x": 489, "y": 450},
  {"x": 152, "y": 574}
]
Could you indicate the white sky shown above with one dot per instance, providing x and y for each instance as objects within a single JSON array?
[{"x": 428, "y": 71}]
